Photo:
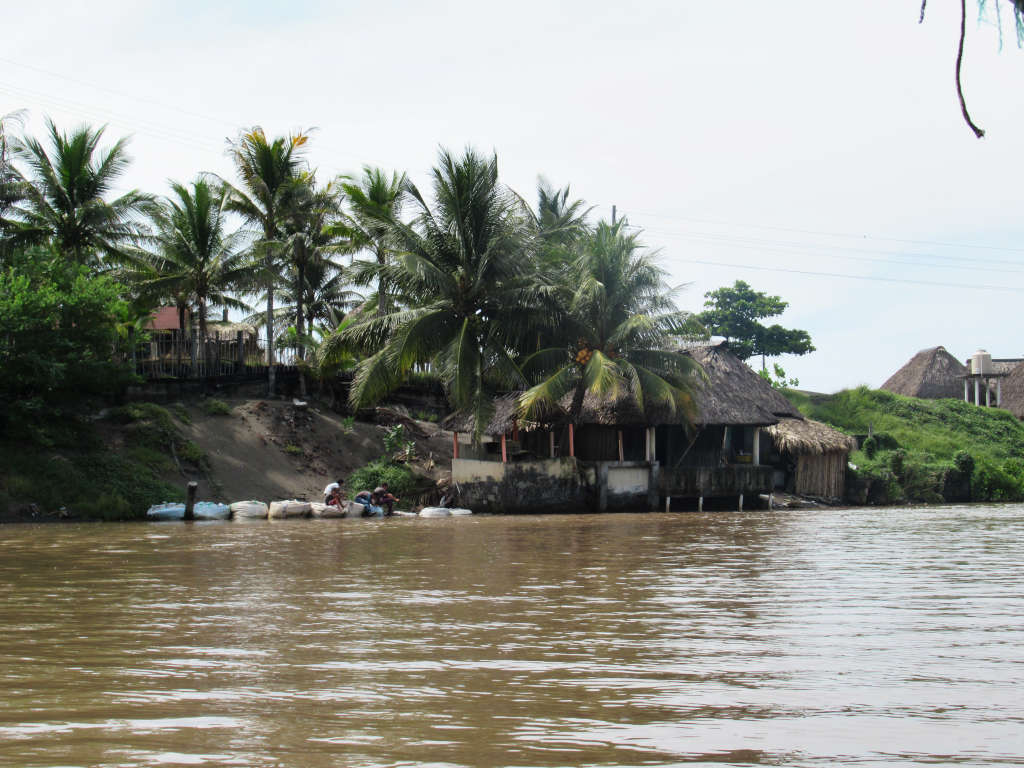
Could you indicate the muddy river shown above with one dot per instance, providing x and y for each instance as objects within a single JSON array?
[{"x": 863, "y": 637}]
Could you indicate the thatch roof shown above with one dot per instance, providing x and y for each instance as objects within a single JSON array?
[
  {"x": 501, "y": 422},
  {"x": 931, "y": 374},
  {"x": 804, "y": 436},
  {"x": 734, "y": 394},
  {"x": 1013, "y": 392}
]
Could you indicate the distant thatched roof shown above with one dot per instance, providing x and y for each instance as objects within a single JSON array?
[
  {"x": 734, "y": 394},
  {"x": 804, "y": 436},
  {"x": 931, "y": 373},
  {"x": 1013, "y": 392}
]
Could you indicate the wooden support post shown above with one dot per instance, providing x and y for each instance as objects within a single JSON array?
[
  {"x": 966, "y": 398},
  {"x": 602, "y": 487},
  {"x": 572, "y": 443},
  {"x": 700, "y": 503},
  {"x": 757, "y": 445},
  {"x": 741, "y": 502},
  {"x": 504, "y": 450},
  {"x": 621, "y": 454},
  {"x": 551, "y": 443},
  {"x": 771, "y": 502},
  {"x": 999, "y": 393},
  {"x": 668, "y": 503},
  {"x": 190, "y": 500},
  {"x": 455, "y": 445},
  {"x": 515, "y": 429},
  {"x": 988, "y": 393},
  {"x": 977, "y": 400}
]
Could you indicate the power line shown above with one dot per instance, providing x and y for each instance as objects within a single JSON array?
[
  {"x": 961, "y": 286},
  {"x": 848, "y": 235}
]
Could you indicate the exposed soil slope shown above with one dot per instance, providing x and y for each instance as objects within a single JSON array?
[{"x": 269, "y": 449}]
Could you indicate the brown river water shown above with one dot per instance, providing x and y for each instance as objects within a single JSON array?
[{"x": 840, "y": 637}]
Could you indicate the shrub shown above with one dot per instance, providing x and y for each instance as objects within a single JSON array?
[
  {"x": 897, "y": 462},
  {"x": 993, "y": 483},
  {"x": 870, "y": 447},
  {"x": 108, "y": 506},
  {"x": 180, "y": 412},
  {"x": 214, "y": 407},
  {"x": 394, "y": 439},
  {"x": 348, "y": 424},
  {"x": 400, "y": 479},
  {"x": 193, "y": 454},
  {"x": 293, "y": 450},
  {"x": 964, "y": 463}
]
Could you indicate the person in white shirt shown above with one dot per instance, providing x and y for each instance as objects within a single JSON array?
[{"x": 332, "y": 487}]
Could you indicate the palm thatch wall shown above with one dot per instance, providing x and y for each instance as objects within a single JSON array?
[
  {"x": 821, "y": 454},
  {"x": 931, "y": 374},
  {"x": 1013, "y": 392}
]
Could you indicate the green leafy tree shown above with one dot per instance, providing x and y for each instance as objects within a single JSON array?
[
  {"x": 196, "y": 260},
  {"x": 58, "y": 328},
  {"x": 373, "y": 200},
  {"x": 615, "y": 332},
  {"x": 734, "y": 312},
  {"x": 66, "y": 198},
  {"x": 268, "y": 171},
  {"x": 466, "y": 258}
]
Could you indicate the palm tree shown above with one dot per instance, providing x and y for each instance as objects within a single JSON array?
[
  {"x": 196, "y": 260},
  {"x": 307, "y": 223},
  {"x": 558, "y": 220},
  {"x": 617, "y": 324},
  {"x": 267, "y": 170},
  {"x": 467, "y": 259},
  {"x": 66, "y": 196},
  {"x": 12, "y": 185},
  {"x": 373, "y": 200}
]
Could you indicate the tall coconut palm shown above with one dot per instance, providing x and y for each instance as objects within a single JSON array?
[
  {"x": 373, "y": 200},
  {"x": 67, "y": 195},
  {"x": 467, "y": 258},
  {"x": 615, "y": 333},
  {"x": 12, "y": 185},
  {"x": 196, "y": 260},
  {"x": 307, "y": 224},
  {"x": 267, "y": 171}
]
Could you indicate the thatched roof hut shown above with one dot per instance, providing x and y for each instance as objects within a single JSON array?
[
  {"x": 931, "y": 374},
  {"x": 1013, "y": 392},
  {"x": 819, "y": 452},
  {"x": 806, "y": 437},
  {"x": 734, "y": 394},
  {"x": 502, "y": 422}
]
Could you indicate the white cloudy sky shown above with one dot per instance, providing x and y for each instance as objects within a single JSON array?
[{"x": 800, "y": 145}]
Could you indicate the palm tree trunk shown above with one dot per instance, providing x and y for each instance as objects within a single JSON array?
[
  {"x": 202, "y": 340},
  {"x": 382, "y": 287},
  {"x": 300, "y": 264},
  {"x": 271, "y": 372}
]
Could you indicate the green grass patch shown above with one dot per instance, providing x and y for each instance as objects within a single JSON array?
[
  {"x": 214, "y": 407},
  {"x": 924, "y": 450},
  {"x": 401, "y": 480}
]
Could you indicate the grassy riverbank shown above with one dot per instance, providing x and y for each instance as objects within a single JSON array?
[{"x": 924, "y": 450}]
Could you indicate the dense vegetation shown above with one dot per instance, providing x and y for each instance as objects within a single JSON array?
[
  {"x": 925, "y": 450},
  {"x": 464, "y": 280}
]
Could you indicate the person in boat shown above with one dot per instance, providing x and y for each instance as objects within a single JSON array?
[
  {"x": 385, "y": 498},
  {"x": 332, "y": 487}
]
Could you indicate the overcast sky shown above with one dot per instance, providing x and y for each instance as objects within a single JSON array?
[{"x": 813, "y": 149}]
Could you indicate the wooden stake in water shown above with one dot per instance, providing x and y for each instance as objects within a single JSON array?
[{"x": 190, "y": 500}]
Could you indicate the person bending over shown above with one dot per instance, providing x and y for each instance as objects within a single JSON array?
[{"x": 385, "y": 498}]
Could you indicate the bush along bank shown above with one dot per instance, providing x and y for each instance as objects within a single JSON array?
[
  {"x": 915, "y": 450},
  {"x": 112, "y": 468}
]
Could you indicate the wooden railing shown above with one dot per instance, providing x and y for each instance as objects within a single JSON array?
[{"x": 731, "y": 480}]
